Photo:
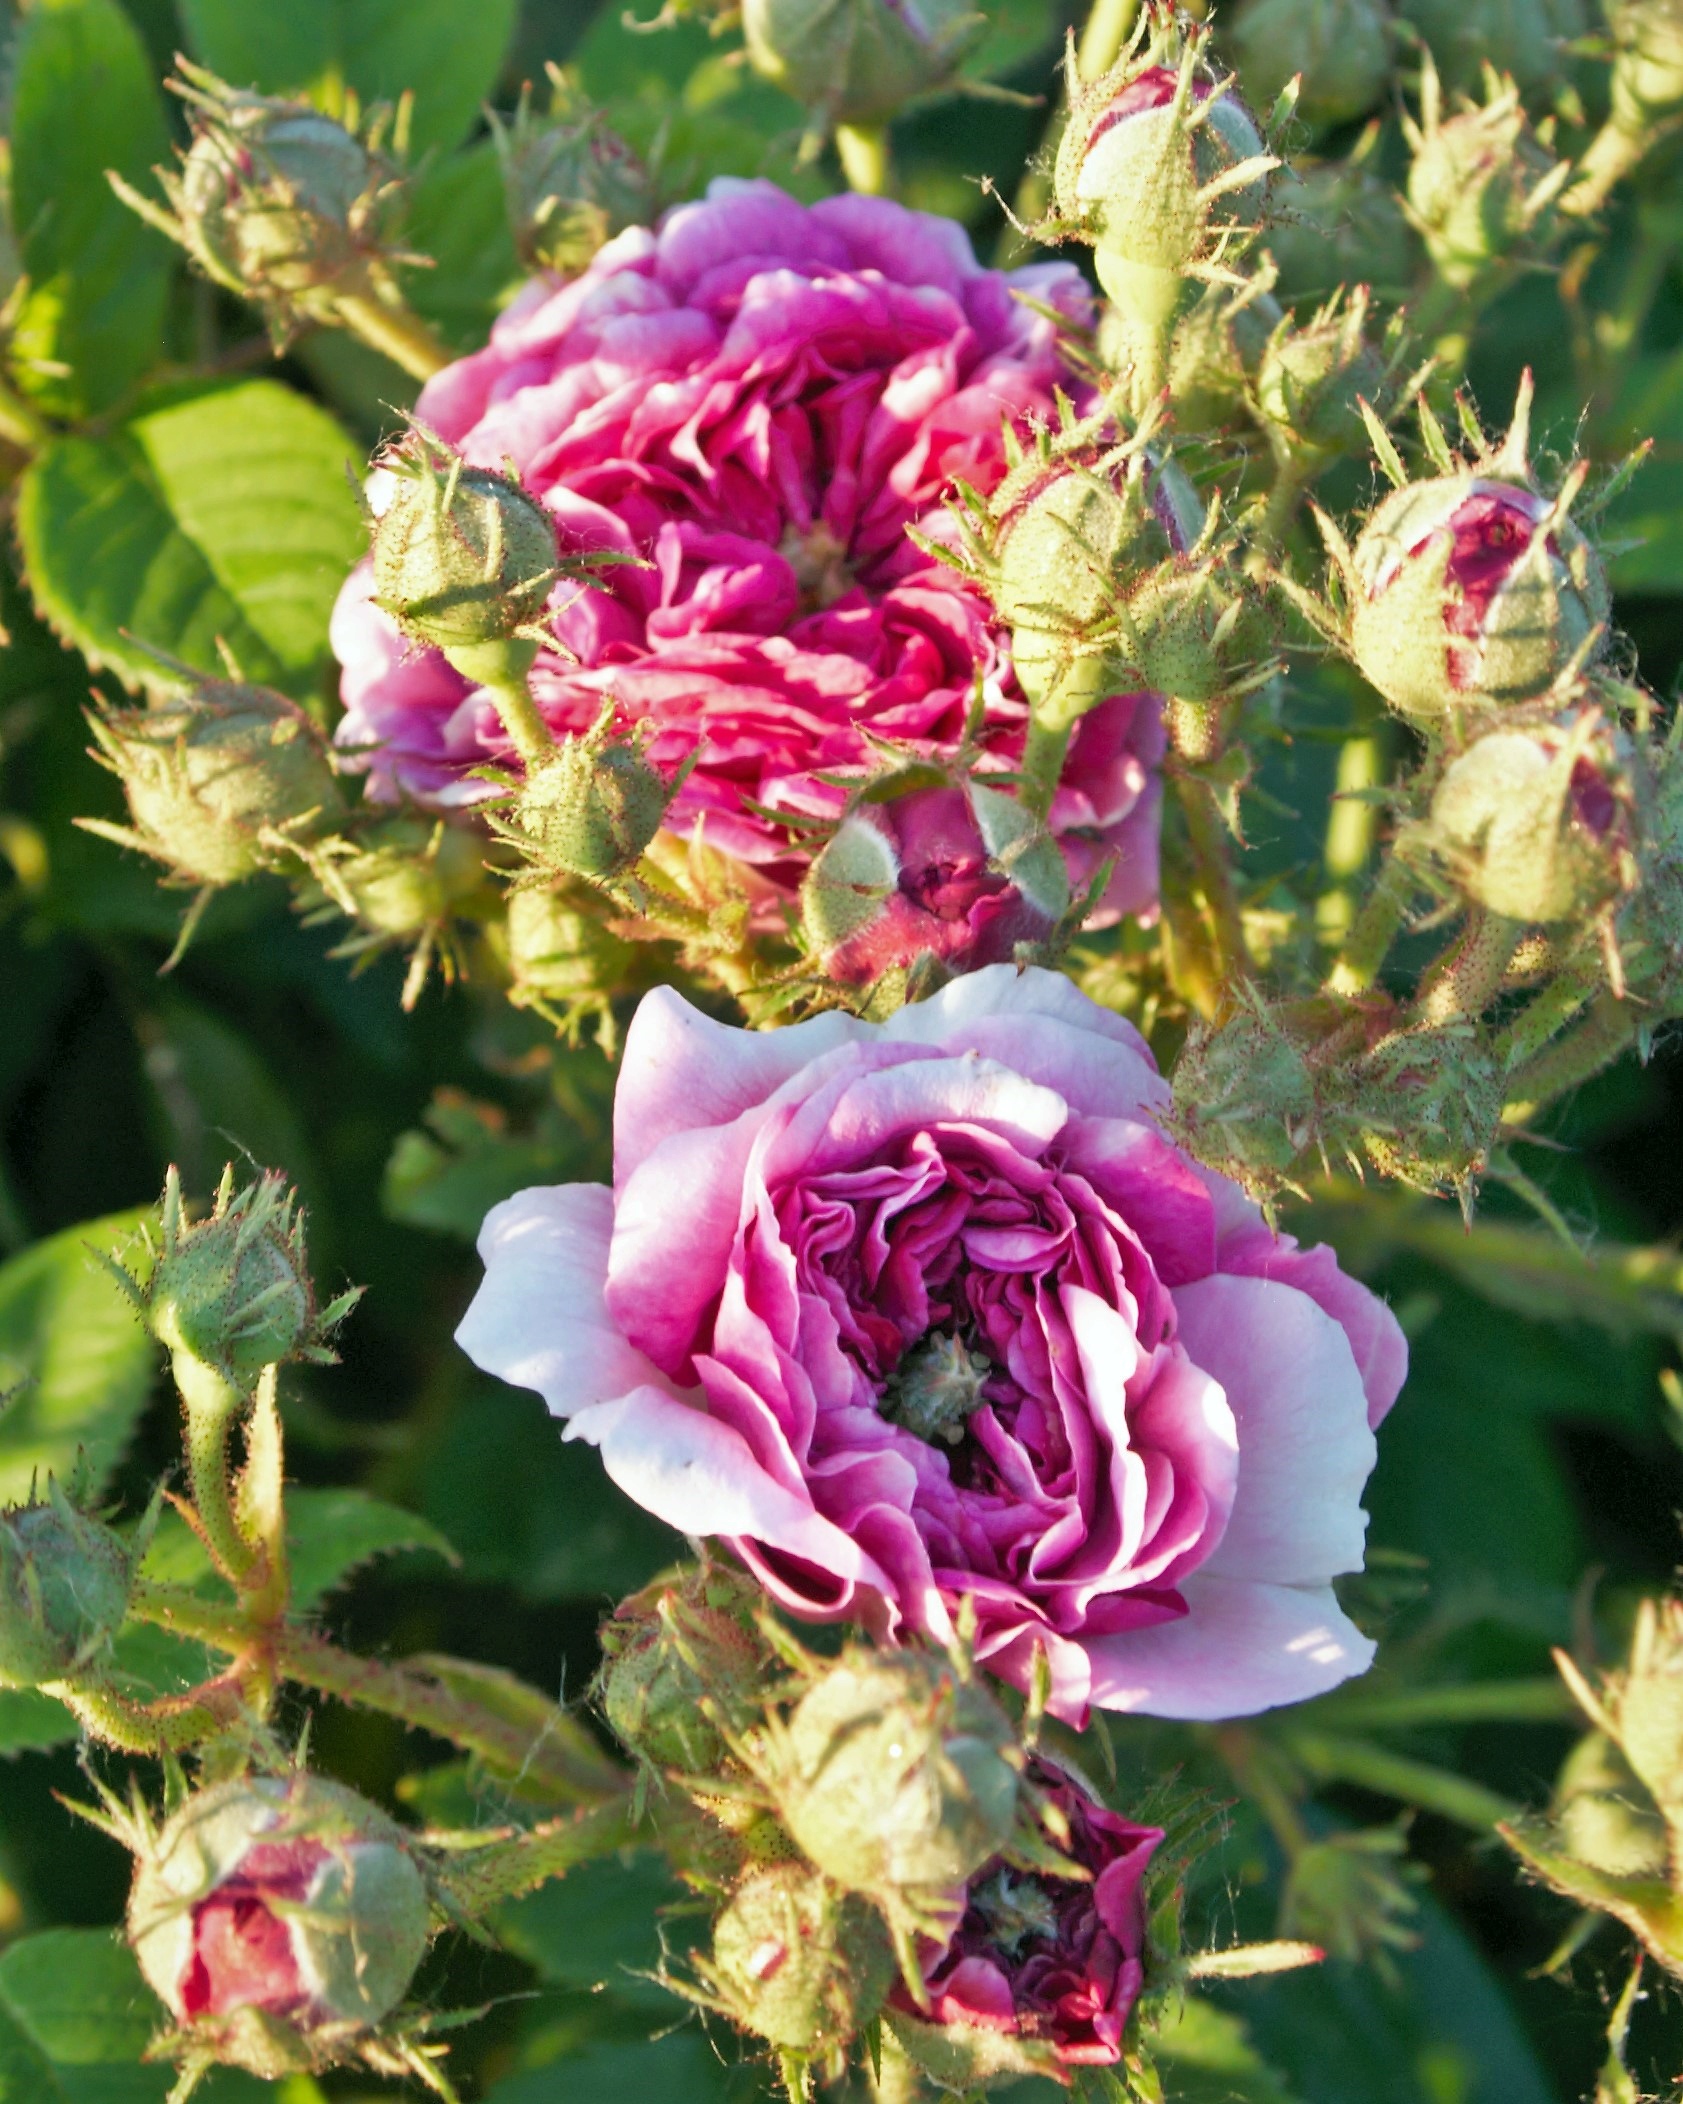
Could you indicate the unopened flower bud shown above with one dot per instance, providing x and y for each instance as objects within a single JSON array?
[
  {"x": 217, "y": 780},
  {"x": 898, "y": 1777},
  {"x": 64, "y": 1590},
  {"x": 1480, "y": 184},
  {"x": 1423, "y": 1106},
  {"x": 1336, "y": 223},
  {"x": 1604, "y": 1816},
  {"x": 859, "y": 61},
  {"x": 1472, "y": 589},
  {"x": 681, "y": 1658},
  {"x": 1646, "y": 1703},
  {"x": 1342, "y": 49},
  {"x": 590, "y": 809},
  {"x": 1245, "y": 1098},
  {"x": 571, "y": 183},
  {"x": 954, "y": 871},
  {"x": 1217, "y": 345},
  {"x": 279, "y": 1921},
  {"x": 1528, "y": 40},
  {"x": 463, "y": 556},
  {"x": 798, "y": 1963},
  {"x": 1539, "y": 824},
  {"x": 1311, "y": 380},
  {"x": 400, "y": 876},
  {"x": 560, "y": 954},
  {"x": 1142, "y": 154},
  {"x": 232, "y": 1293}
]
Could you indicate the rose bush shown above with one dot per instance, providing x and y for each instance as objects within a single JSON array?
[
  {"x": 927, "y": 1310},
  {"x": 758, "y": 398},
  {"x": 1056, "y": 1960}
]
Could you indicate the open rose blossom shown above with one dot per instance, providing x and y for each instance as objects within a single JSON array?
[
  {"x": 1055, "y": 1960},
  {"x": 930, "y": 1309},
  {"x": 758, "y": 398}
]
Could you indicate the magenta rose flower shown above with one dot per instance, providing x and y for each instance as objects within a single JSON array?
[
  {"x": 759, "y": 397},
  {"x": 930, "y": 1310},
  {"x": 1055, "y": 1960}
]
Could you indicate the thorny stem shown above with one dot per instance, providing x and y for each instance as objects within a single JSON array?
[
  {"x": 212, "y": 1403},
  {"x": 563, "y": 1759},
  {"x": 394, "y": 331},
  {"x": 1546, "y": 1016},
  {"x": 1189, "y": 949},
  {"x": 863, "y": 150},
  {"x": 1375, "y": 929},
  {"x": 144, "y": 1727},
  {"x": 1610, "y": 1029},
  {"x": 1292, "y": 476},
  {"x": 1465, "y": 979},
  {"x": 1606, "y": 161}
]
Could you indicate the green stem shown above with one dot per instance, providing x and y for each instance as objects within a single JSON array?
[
  {"x": 1610, "y": 1029},
  {"x": 140, "y": 1727},
  {"x": 863, "y": 149},
  {"x": 1614, "y": 152},
  {"x": 1543, "y": 1700},
  {"x": 1107, "y": 29},
  {"x": 394, "y": 331},
  {"x": 1352, "y": 824},
  {"x": 1292, "y": 476},
  {"x": 212, "y": 1403},
  {"x": 477, "y": 1879},
  {"x": 901, "y": 2080},
  {"x": 1332, "y": 1759},
  {"x": 1466, "y": 978},
  {"x": 1042, "y": 764},
  {"x": 501, "y": 668},
  {"x": 562, "y": 1758},
  {"x": 1212, "y": 869},
  {"x": 1375, "y": 929},
  {"x": 1546, "y": 1016}
]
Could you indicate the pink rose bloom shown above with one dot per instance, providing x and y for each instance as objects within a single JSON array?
[
  {"x": 759, "y": 397},
  {"x": 1056, "y": 1960},
  {"x": 928, "y": 1310}
]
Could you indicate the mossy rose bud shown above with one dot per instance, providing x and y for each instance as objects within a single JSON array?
[
  {"x": 1471, "y": 589},
  {"x": 570, "y": 183},
  {"x": 1245, "y": 1098},
  {"x": 681, "y": 1660},
  {"x": 1539, "y": 824},
  {"x": 589, "y": 810},
  {"x": 279, "y": 1920},
  {"x": 1479, "y": 185},
  {"x": 559, "y": 951},
  {"x": 859, "y": 61},
  {"x": 1647, "y": 62},
  {"x": 463, "y": 556},
  {"x": 1311, "y": 381},
  {"x": 64, "y": 1590},
  {"x": 217, "y": 780},
  {"x": 897, "y": 1776},
  {"x": 1604, "y": 1816},
  {"x": 1341, "y": 48},
  {"x": 1423, "y": 1106},
  {"x": 798, "y": 1963}
]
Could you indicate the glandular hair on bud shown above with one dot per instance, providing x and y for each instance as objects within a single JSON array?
[
  {"x": 218, "y": 780},
  {"x": 279, "y": 1919},
  {"x": 463, "y": 556},
  {"x": 682, "y": 1663},
  {"x": 590, "y": 810},
  {"x": 898, "y": 1776},
  {"x": 1479, "y": 183},
  {"x": 1245, "y": 1098},
  {"x": 798, "y": 1963},
  {"x": 859, "y": 61},
  {"x": 64, "y": 1590},
  {"x": 559, "y": 951},
  {"x": 570, "y": 182}
]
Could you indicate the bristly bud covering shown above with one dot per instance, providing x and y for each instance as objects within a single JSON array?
[
  {"x": 219, "y": 782},
  {"x": 1482, "y": 185},
  {"x": 682, "y": 1663},
  {"x": 463, "y": 556},
  {"x": 589, "y": 810},
  {"x": 1474, "y": 589},
  {"x": 232, "y": 1293},
  {"x": 859, "y": 61},
  {"x": 279, "y": 1920},
  {"x": 278, "y": 202},
  {"x": 571, "y": 184},
  {"x": 64, "y": 1590}
]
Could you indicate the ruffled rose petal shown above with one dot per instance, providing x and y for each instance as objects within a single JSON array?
[{"x": 1375, "y": 1334}]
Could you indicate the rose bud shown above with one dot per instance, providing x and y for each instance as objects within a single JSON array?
[
  {"x": 1525, "y": 39},
  {"x": 275, "y": 200},
  {"x": 1540, "y": 824},
  {"x": 861, "y": 61},
  {"x": 1473, "y": 588},
  {"x": 895, "y": 1777},
  {"x": 957, "y": 872},
  {"x": 1145, "y": 166},
  {"x": 1423, "y": 1106},
  {"x": 1341, "y": 48},
  {"x": 1312, "y": 379},
  {"x": 462, "y": 555},
  {"x": 64, "y": 1590},
  {"x": 798, "y": 1964},
  {"x": 1644, "y": 1703},
  {"x": 278, "y": 1920},
  {"x": 1605, "y": 1817},
  {"x": 404, "y": 879},
  {"x": 680, "y": 1659},
  {"x": 590, "y": 809},
  {"x": 217, "y": 781},
  {"x": 1052, "y": 1964},
  {"x": 1480, "y": 184},
  {"x": 571, "y": 184},
  {"x": 562, "y": 962},
  {"x": 1336, "y": 224},
  {"x": 1245, "y": 1098}
]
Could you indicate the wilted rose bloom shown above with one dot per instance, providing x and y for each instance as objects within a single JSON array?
[
  {"x": 939, "y": 1314},
  {"x": 758, "y": 398},
  {"x": 1057, "y": 1960}
]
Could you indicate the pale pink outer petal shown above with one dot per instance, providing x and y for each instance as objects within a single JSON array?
[
  {"x": 1305, "y": 1449},
  {"x": 538, "y": 1319},
  {"x": 1374, "y": 1332},
  {"x": 1240, "y": 1647},
  {"x": 700, "y": 1476}
]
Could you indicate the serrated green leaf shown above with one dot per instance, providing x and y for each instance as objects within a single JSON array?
[
  {"x": 218, "y": 511},
  {"x": 448, "y": 54},
  {"x": 68, "y": 1335},
  {"x": 84, "y": 100},
  {"x": 599, "y": 1927}
]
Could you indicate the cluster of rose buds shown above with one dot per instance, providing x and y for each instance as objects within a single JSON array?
[{"x": 571, "y": 183}]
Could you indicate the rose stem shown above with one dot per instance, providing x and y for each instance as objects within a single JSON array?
[
  {"x": 1468, "y": 974},
  {"x": 394, "y": 331},
  {"x": 1042, "y": 764},
  {"x": 1352, "y": 825},
  {"x": 212, "y": 1403},
  {"x": 1212, "y": 869},
  {"x": 864, "y": 157},
  {"x": 1374, "y": 930}
]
